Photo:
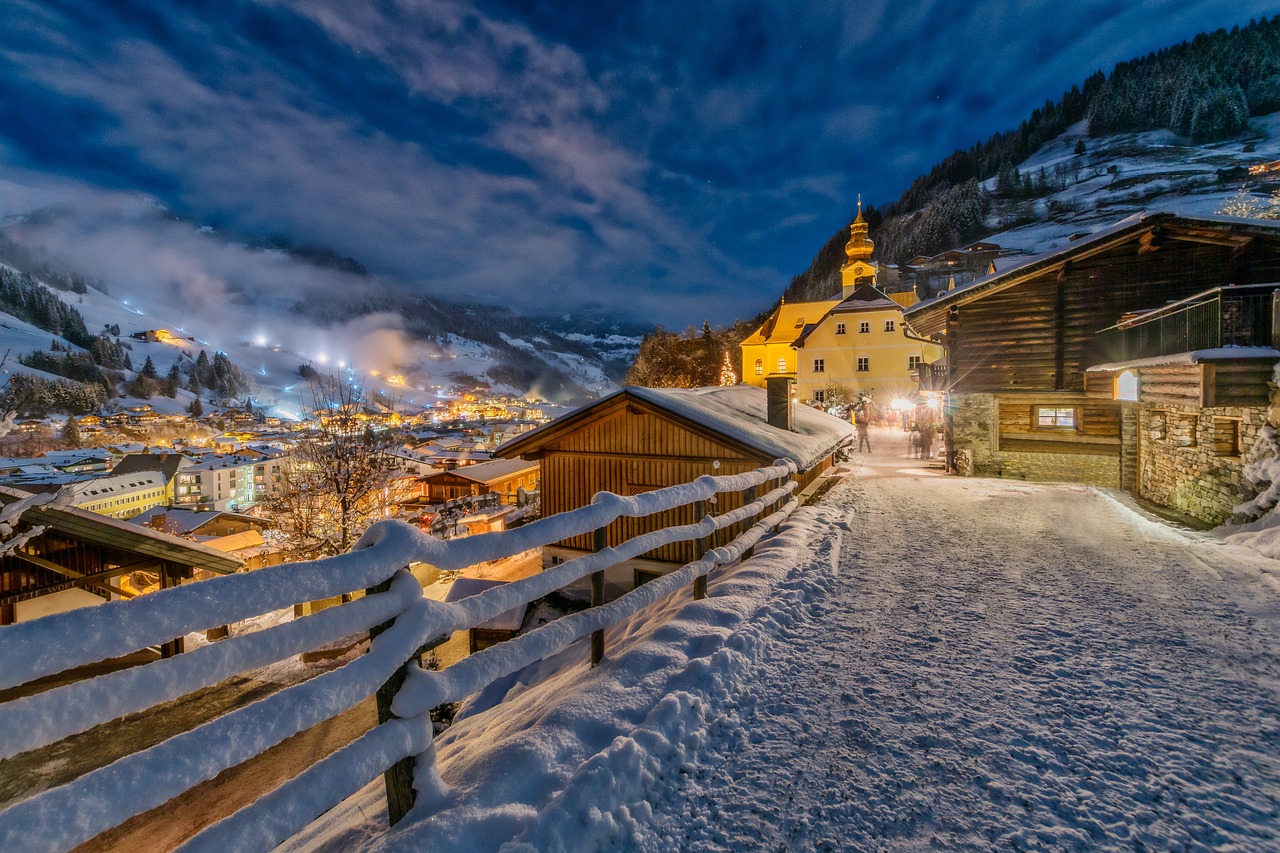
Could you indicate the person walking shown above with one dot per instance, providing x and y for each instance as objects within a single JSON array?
[
  {"x": 926, "y": 440},
  {"x": 864, "y": 435}
]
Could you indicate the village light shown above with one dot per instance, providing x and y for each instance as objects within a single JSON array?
[{"x": 901, "y": 404}]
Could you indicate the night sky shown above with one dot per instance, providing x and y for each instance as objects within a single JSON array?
[{"x": 669, "y": 161}]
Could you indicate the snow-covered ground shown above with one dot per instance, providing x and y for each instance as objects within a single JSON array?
[{"x": 918, "y": 661}]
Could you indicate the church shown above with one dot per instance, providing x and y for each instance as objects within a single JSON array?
[{"x": 844, "y": 346}]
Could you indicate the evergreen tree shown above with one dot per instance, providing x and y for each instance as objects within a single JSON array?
[
  {"x": 149, "y": 369},
  {"x": 172, "y": 381},
  {"x": 71, "y": 433},
  {"x": 196, "y": 409}
]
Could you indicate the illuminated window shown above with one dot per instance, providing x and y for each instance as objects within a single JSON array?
[
  {"x": 1127, "y": 386},
  {"x": 864, "y": 364},
  {"x": 782, "y": 365},
  {"x": 839, "y": 328},
  {"x": 889, "y": 325},
  {"x": 759, "y": 367},
  {"x": 819, "y": 365},
  {"x": 1055, "y": 417},
  {"x": 864, "y": 327}
]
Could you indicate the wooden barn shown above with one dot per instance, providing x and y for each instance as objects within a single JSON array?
[
  {"x": 1135, "y": 357},
  {"x": 81, "y": 558},
  {"x": 640, "y": 439}
]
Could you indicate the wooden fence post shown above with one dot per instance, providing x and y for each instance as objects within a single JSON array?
[
  {"x": 747, "y": 497},
  {"x": 703, "y": 545},
  {"x": 399, "y": 777},
  {"x": 597, "y": 597}
]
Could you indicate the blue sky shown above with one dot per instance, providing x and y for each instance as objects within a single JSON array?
[{"x": 670, "y": 161}]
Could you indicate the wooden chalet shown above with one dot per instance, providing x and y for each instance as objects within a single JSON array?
[
  {"x": 1134, "y": 357},
  {"x": 500, "y": 476},
  {"x": 82, "y": 558},
  {"x": 640, "y": 439}
]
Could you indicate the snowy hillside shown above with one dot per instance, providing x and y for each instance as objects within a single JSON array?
[{"x": 1123, "y": 174}]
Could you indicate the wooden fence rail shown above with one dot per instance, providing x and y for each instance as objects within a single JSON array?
[{"x": 401, "y": 623}]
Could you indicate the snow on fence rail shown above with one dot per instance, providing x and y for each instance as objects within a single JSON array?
[{"x": 402, "y": 625}]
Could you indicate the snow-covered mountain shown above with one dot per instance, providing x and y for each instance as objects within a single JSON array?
[{"x": 273, "y": 310}]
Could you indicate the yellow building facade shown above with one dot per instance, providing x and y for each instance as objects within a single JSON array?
[{"x": 850, "y": 345}]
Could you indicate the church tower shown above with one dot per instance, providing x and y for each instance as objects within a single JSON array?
[{"x": 858, "y": 268}]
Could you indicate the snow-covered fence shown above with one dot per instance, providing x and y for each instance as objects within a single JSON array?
[{"x": 402, "y": 624}]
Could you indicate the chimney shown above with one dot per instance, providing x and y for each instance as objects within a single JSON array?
[{"x": 779, "y": 388}]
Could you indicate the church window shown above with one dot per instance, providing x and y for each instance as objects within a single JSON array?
[{"x": 759, "y": 367}]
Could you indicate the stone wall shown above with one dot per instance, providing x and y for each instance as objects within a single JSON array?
[
  {"x": 973, "y": 436},
  {"x": 1190, "y": 459}
]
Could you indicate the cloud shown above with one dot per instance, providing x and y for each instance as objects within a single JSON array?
[{"x": 668, "y": 161}]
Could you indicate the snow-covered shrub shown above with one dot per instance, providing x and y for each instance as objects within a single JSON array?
[{"x": 1261, "y": 477}]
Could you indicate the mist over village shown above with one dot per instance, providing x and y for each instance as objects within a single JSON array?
[{"x": 469, "y": 425}]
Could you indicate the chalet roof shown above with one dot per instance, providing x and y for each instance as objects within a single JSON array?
[
  {"x": 1204, "y": 356},
  {"x": 115, "y": 533},
  {"x": 865, "y": 298},
  {"x": 187, "y": 520},
  {"x": 114, "y": 484},
  {"x": 166, "y": 464},
  {"x": 488, "y": 472},
  {"x": 929, "y": 317},
  {"x": 788, "y": 321},
  {"x": 736, "y": 414}
]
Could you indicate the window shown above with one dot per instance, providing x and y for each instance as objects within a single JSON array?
[
  {"x": 864, "y": 327},
  {"x": 782, "y": 365},
  {"x": 819, "y": 396},
  {"x": 890, "y": 325},
  {"x": 864, "y": 364},
  {"x": 1127, "y": 386},
  {"x": 839, "y": 328},
  {"x": 759, "y": 367},
  {"x": 819, "y": 365},
  {"x": 1183, "y": 432},
  {"x": 913, "y": 362},
  {"x": 1055, "y": 417}
]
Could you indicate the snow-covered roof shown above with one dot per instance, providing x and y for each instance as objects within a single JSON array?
[
  {"x": 488, "y": 472},
  {"x": 740, "y": 412},
  {"x": 737, "y": 413},
  {"x": 182, "y": 521},
  {"x": 1191, "y": 357}
]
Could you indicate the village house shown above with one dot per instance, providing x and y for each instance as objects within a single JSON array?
[
  {"x": 856, "y": 344},
  {"x": 505, "y": 477},
  {"x": 229, "y": 532},
  {"x": 640, "y": 439},
  {"x": 1137, "y": 357}
]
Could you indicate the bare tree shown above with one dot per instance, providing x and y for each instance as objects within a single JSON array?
[{"x": 336, "y": 481}]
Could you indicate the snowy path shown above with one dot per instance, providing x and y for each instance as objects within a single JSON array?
[{"x": 998, "y": 664}]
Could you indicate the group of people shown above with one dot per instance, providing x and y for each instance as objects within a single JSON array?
[{"x": 921, "y": 438}]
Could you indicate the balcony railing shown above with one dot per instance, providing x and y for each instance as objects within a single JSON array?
[{"x": 1239, "y": 316}]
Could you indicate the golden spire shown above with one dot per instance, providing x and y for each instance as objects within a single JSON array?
[{"x": 859, "y": 247}]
